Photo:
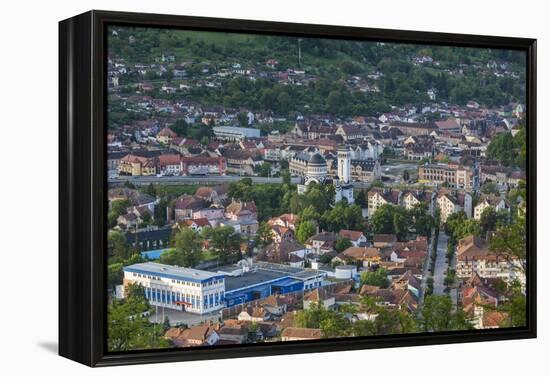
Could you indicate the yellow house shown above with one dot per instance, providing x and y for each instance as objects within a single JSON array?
[
  {"x": 136, "y": 165},
  {"x": 166, "y": 135}
]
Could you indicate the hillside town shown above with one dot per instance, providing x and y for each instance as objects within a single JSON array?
[{"x": 246, "y": 222}]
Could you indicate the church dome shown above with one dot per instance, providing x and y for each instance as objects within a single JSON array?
[{"x": 317, "y": 159}]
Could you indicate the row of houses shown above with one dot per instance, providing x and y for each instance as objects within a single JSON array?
[
  {"x": 446, "y": 200},
  {"x": 171, "y": 164}
]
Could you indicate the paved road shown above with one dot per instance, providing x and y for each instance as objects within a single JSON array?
[
  {"x": 440, "y": 264},
  {"x": 425, "y": 273},
  {"x": 188, "y": 180},
  {"x": 453, "y": 293}
]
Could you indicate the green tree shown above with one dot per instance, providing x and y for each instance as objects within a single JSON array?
[
  {"x": 510, "y": 243},
  {"x": 128, "y": 325},
  {"x": 422, "y": 220},
  {"x": 334, "y": 326},
  {"x": 187, "y": 250},
  {"x": 118, "y": 207},
  {"x": 264, "y": 236},
  {"x": 343, "y": 216},
  {"x": 515, "y": 307},
  {"x": 117, "y": 245},
  {"x": 382, "y": 219},
  {"x": 225, "y": 243},
  {"x": 114, "y": 274},
  {"x": 489, "y": 188},
  {"x": 391, "y": 219},
  {"x": 332, "y": 323},
  {"x": 437, "y": 315},
  {"x": 394, "y": 321},
  {"x": 459, "y": 226},
  {"x": 265, "y": 169},
  {"x": 401, "y": 223},
  {"x": 501, "y": 148},
  {"x": 285, "y": 175},
  {"x": 342, "y": 243},
  {"x": 305, "y": 230},
  {"x": 361, "y": 198},
  {"x": 488, "y": 220},
  {"x": 160, "y": 212},
  {"x": 363, "y": 328},
  {"x": 180, "y": 127},
  {"x": 379, "y": 278}
]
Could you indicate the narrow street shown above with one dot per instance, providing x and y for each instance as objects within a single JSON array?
[
  {"x": 425, "y": 273},
  {"x": 441, "y": 268},
  {"x": 440, "y": 264},
  {"x": 453, "y": 292}
]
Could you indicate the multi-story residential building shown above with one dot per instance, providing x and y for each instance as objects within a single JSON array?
[
  {"x": 169, "y": 164},
  {"x": 113, "y": 159},
  {"x": 322, "y": 242},
  {"x": 455, "y": 176},
  {"x": 203, "y": 165},
  {"x": 418, "y": 152},
  {"x": 504, "y": 177},
  {"x": 451, "y": 202},
  {"x": 351, "y": 132},
  {"x": 474, "y": 257},
  {"x": 179, "y": 288},
  {"x": 272, "y": 153},
  {"x": 241, "y": 162},
  {"x": 312, "y": 131},
  {"x": 136, "y": 165},
  {"x": 371, "y": 149},
  {"x": 239, "y": 210},
  {"x": 186, "y": 206},
  {"x": 365, "y": 170},
  {"x": 298, "y": 163},
  {"x": 486, "y": 201},
  {"x": 411, "y": 198},
  {"x": 377, "y": 197}
]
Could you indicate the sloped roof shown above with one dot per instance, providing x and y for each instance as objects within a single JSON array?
[
  {"x": 304, "y": 333},
  {"x": 350, "y": 234}
]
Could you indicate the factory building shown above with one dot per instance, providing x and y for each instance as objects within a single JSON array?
[
  {"x": 200, "y": 292},
  {"x": 179, "y": 288},
  {"x": 248, "y": 283}
]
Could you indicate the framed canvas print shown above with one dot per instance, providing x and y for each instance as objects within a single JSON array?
[{"x": 235, "y": 188}]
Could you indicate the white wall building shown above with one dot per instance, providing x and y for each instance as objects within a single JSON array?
[
  {"x": 179, "y": 288},
  {"x": 235, "y": 133}
]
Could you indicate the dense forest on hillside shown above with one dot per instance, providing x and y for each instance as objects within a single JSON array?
[{"x": 490, "y": 77}]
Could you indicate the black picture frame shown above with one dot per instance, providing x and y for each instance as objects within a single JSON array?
[{"x": 83, "y": 186}]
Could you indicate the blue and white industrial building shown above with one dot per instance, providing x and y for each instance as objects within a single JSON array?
[
  {"x": 202, "y": 292},
  {"x": 187, "y": 289}
]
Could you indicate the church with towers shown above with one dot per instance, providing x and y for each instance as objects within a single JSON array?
[{"x": 317, "y": 172}]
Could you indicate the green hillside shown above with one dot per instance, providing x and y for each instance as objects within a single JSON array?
[{"x": 460, "y": 74}]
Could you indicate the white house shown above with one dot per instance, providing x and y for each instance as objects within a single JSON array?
[{"x": 497, "y": 203}]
